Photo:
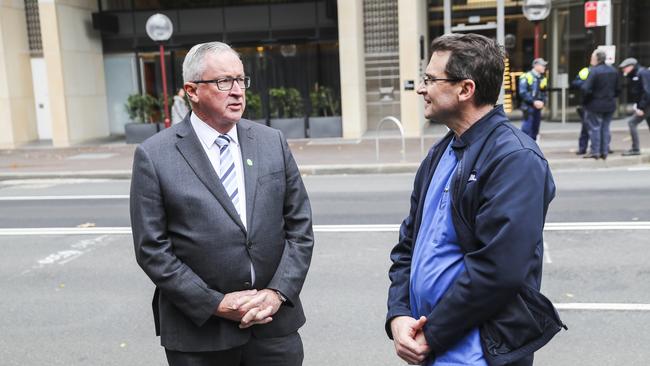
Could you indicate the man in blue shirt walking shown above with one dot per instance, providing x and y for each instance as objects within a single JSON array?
[{"x": 467, "y": 268}]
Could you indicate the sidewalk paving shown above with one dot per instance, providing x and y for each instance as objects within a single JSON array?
[{"x": 112, "y": 158}]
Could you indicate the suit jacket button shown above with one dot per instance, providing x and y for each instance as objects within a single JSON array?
[
  {"x": 247, "y": 284},
  {"x": 249, "y": 244}
]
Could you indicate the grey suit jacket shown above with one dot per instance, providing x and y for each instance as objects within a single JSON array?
[{"x": 192, "y": 244}]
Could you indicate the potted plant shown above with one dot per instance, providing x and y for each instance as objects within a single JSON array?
[
  {"x": 141, "y": 109},
  {"x": 287, "y": 113},
  {"x": 254, "y": 107},
  {"x": 325, "y": 119}
]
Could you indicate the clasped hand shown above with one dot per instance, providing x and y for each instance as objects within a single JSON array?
[
  {"x": 249, "y": 307},
  {"x": 409, "y": 340}
]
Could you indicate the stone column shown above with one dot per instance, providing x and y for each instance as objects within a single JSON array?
[
  {"x": 75, "y": 71},
  {"x": 352, "y": 63},
  {"x": 412, "y": 17},
  {"x": 17, "y": 112}
]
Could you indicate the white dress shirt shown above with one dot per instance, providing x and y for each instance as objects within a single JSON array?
[{"x": 208, "y": 137}]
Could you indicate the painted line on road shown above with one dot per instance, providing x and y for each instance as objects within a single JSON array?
[
  {"x": 587, "y": 226},
  {"x": 603, "y": 306},
  {"x": 66, "y": 198},
  {"x": 547, "y": 253},
  {"x": 639, "y": 169},
  {"x": 569, "y": 226},
  {"x": 66, "y": 231}
]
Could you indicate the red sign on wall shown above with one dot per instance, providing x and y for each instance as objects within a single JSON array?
[{"x": 591, "y": 14}]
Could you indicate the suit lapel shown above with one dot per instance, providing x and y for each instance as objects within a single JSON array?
[
  {"x": 190, "y": 148},
  {"x": 250, "y": 164}
]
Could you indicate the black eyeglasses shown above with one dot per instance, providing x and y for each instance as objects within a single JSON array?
[
  {"x": 428, "y": 80},
  {"x": 226, "y": 84}
]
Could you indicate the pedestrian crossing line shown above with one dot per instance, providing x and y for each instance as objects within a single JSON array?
[
  {"x": 602, "y": 306},
  {"x": 125, "y": 230},
  {"x": 67, "y": 198}
]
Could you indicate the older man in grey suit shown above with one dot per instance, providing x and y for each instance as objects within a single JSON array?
[{"x": 222, "y": 226}]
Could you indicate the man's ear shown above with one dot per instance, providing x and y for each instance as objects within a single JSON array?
[
  {"x": 190, "y": 91},
  {"x": 467, "y": 90}
]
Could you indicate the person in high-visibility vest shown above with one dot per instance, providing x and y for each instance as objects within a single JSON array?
[
  {"x": 583, "y": 140},
  {"x": 532, "y": 93}
]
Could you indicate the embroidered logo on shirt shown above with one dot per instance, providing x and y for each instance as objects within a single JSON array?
[{"x": 472, "y": 176}]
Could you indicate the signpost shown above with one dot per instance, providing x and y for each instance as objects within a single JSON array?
[
  {"x": 536, "y": 11},
  {"x": 160, "y": 28}
]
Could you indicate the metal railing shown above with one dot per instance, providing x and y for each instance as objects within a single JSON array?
[{"x": 401, "y": 132}]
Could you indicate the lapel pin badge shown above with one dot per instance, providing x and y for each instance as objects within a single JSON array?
[{"x": 249, "y": 162}]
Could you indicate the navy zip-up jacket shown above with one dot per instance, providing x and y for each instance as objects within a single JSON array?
[
  {"x": 644, "y": 92},
  {"x": 601, "y": 88},
  {"x": 500, "y": 195}
]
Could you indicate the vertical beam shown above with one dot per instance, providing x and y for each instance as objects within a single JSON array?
[
  {"x": 412, "y": 21},
  {"x": 447, "y": 15},
  {"x": 609, "y": 29},
  {"x": 555, "y": 59},
  {"x": 501, "y": 36},
  {"x": 17, "y": 110},
  {"x": 353, "y": 69},
  {"x": 75, "y": 71}
]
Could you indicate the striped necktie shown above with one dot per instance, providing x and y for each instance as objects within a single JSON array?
[{"x": 227, "y": 171}]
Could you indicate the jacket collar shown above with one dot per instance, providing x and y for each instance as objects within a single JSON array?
[{"x": 481, "y": 127}]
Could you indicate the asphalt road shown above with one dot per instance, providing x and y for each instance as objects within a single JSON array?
[
  {"x": 582, "y": 195},
  {"x": 82, "y": 300}
]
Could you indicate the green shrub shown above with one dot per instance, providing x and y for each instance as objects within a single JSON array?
[
  {"x": 286, "y": 103},
  {"x": 253, "y": 105},
  {"x": 323, "y": 102},
  {"x": 141, "y": 108}
]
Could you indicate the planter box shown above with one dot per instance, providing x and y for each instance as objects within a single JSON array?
[
  {"x": 138, "y": 132},
  {"x": 325, "y": 127},
  {"x": 292, "y": 128}
]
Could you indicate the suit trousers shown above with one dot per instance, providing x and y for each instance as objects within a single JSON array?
[{"x": 279, "y": 351}]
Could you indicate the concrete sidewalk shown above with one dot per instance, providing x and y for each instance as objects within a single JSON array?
[{"x": 113, "y": 158}]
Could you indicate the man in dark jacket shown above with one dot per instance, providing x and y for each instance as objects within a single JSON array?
[
  {"x": 466, "y": 271},
  {"x": 639, "y": 86},
  {"x": 599, "y": 92}
]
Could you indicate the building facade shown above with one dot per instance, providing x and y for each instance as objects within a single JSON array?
[{"x": 67, "y": 67}]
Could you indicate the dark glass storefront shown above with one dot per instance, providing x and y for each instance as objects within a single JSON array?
[{"x": 282, "y": 43}]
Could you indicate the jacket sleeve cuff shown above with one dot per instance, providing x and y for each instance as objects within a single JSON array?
[
  {"x": 435, "y": 347},
  {"x": 392, "y": 314}
]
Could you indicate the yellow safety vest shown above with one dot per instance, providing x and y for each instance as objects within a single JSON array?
[{"x": 530, "y": 78}]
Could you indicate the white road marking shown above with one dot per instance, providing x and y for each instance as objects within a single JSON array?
[
  {"x": 65, "y": 231},
  {"x": 75, "y": 251},
  {"x": 586, "y": 226},
  {"x": 603, "y": 306},
  {"x": 567, "y": 226},
  {"x": 639, "y": 169},
  {"x": 355, "y": 228},
  {"x": 66, "y": 198},
  {"x": 547, "y": 254}
]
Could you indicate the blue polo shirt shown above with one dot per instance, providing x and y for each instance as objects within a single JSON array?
[{"x": 437, "y": 260}]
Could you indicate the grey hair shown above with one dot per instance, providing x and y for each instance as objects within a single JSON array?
[
  {"x": 601, "y": 56},
  {"x": 193, "y": 65}
]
